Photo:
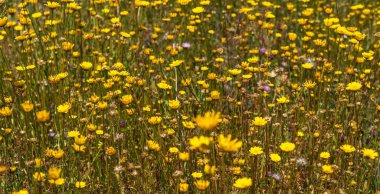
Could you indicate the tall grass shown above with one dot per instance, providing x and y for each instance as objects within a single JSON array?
[{"x": 110, "y": 96}]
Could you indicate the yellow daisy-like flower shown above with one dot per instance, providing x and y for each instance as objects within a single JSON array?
[
  {"x": 43, "y": 116},
  {"x": 152, "y": 145},
  {"x": 184, "y": 156},
  {"x": 256, "y": 150},
  {"x": 154, "y": 120},
  {"x": 287, "y": 146},
  {"x": 309, "y": 84},
  {"x": 188, "y": 124},
  {"x": 38, "y": 162},
  {"x": 174, "y": 104},
  {"x": 275, "y": 157},
  {"x": 183, "y": 187},
  {"x": 80, "y": 184},
  {"x": 66, "y": 46},
  {"x": 126, "y": 99},
  {"x": 183, "y": 2},
  {"x": 57, "y": 182},
  {"x": 176, "y": 63},
  {"x": 6, "y": 111},
  {"x": 80, "y": 140},
  {"x": 54, "y": 173},
  {"x": 3, "y": 21},
  {"x": 347, "y": 148},
  {"x": 228, "y": 145},
  {"x": 22, "y": 191},
  {"x": 201, "y": 143},
  {"x": 52, "y": 4},
  {"x": 209, "y": 169},
  {"x": 259, "y": 121},
  {"x": 39, "y": 176},
  {"x": 164, "y": 85},
  {"x": 110, "y": 151},
  {"x": 209, "y": 121},
  {"x": 283, "y": 100},
  {"x": 307, "y": 65},
  {"x": 354, "y": 86},
  {"x": 73, "y": 133},
  {"x": 370, "y": 153},
  {"x": 243, "y": 183},
  {"x": 215, "y": 95},
  {"x": 57, "y": 154},
  {"x": 197, "y": 175},
  {"x": 125, "y": 34},
  {"x": 86, "y": 65},
  {"x": 324, "y": 155},
  {"x": 64, "y": 108},
  {"x": 202, "y": 184},
  {"x": 234, "y": 71},
  {"x": 198, "y": 10},
  {"x": 327, "y": 169}
]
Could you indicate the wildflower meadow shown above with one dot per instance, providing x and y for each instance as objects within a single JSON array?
[{"x": 189, "y": 96}]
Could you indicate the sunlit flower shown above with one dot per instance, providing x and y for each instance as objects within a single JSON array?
[
  {"x": 234, "y": 71},
  {"x": 164, "y": 85},
  {"x": 152, "y": 145},
  {"x": 86, "y": 65},
  {"x": 38, "y": 162},
  {"x": 43, "y": 116},
  {"x": 307, "y": 65},
  {"x": 309, "y": 84},
  {"x": 198, "y": 10},
  {"x": 275, "y": 157},
  {"x": 209, "y": 121},
  {"x": 67, "y": 46},
  {"x": 256, "y": 150},
  {"x": 79, "y": 148},
  {"x": 188, "y": 124},
  {"x": 184, "y": 156},
  {"x": 174, "y": 104},
  {"x": 80, "y": 184},
  {"x": 347, "y": 148},
  {"x": 370, "y": 153},
  {"x": 54, "y": 173},
  {"x": 227, "y": 144},
  {"x": 287, "y": 146},
  {"x": 209, "y": 169},
  {"x": 243, "y": 183},
  {"x": 39, "y": 176},
  {"x": 259, "y": 121},
  {"x": 126, "y": 99},
  {"x": 80, "y": 140},
  {"x": 176, "y": 63},
  {"x": 354, "y": 86},
  {"x": 110, "y": 151},
  {"x": 202, "y": 184},
  {"x": 64, "y": 108},
  {"x": 196, "y": 174},
  {"x": 73, "y": 133},
  {"x": 201, "y": 143},
  {"x": 27, "y": 106},
  {"x": 57, "y": 154},
  {"x": 154, "y": 120},
  {"x": 6, "y": 111},
  {"x": 52, "y": 4},
  {"x": 324, "y": 155},
  {"x": 215, "y": 95},
  {"x": 283, "y": 100},
  {"x": 3, "y": 21},
  {"x": 183, "y": 187},
  {"x": 327, "y": 169}
]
